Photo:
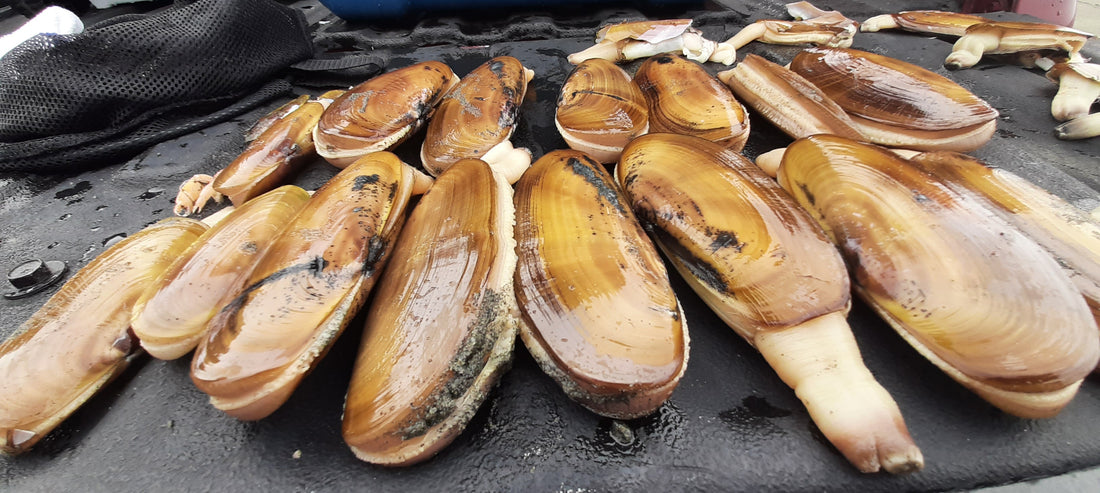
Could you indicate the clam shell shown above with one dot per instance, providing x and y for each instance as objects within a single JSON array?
[
  {"x": 600, "y": 110},
  {"x": 446, "y": 329},
  {"x": 683, "y": 98},
  {"x": 477, "y": 115},
  {"x": 276, "y": 154},
  {"x": 382, "y": 112},
  {"x": 171, "y": 316},
  {"x": 80, "y": 339},
  {"x": 275, "y": 115},
  {"x": 601, "y": 318},
  {"x": 305, "y": 290},
  {"x": 946, "y": 273},
  {"x": 648, "y": 31}
]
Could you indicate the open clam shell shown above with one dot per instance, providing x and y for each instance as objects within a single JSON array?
[
  {"x": 381, "y": 112},
  {"x": 683, "y": 98},
  {"x": 600, "y": 109},
  {"x": 172, "y": 314},
  {"x": 276, "y": 154},
  {"x": 81, "y": 339},
  {"x": 477, "y": 116},
  {"x": 445, "y": 331},
  {"x": 600, "y": 315},
  {"x": 896, "y": 103},
  {"x": 305, "y": 290},
  {"x": 946, "y": 273}
]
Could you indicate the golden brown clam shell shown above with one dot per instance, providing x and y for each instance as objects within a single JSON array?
[
  {"x": 600, "y": 110},
  {"x": 304, "y": 291},
  {"x": 172, "y": 314},
  {"x": 923, "y": 21},
  {"x": 601, "y": 318},
  {"x": 683, "y": 98},
  {"x": 382, "y": 112},
  {"x": 80, "y": 339},
  {"x": 478, "y": 115},
  {"x": 444, "y": 333},
  {"x": 946, "y": 273}
]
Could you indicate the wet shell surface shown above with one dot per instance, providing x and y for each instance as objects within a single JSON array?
[
  {"x": 600, "y": 109},
  {"x": 305, "y": 290},
  {"x": 479, "y": 114},
  {"x": 382, "y": 112},
  {"x": 684, "y": 99},
  {"x": 445, "y": 331},
  {"x": 945, "y": 272},
  {"x": 600, "y": 315},
  {"x": 896, "y": 103},
  {"x": 80, "y": 339},
  {"x": 270, "y": 159},
  {"x": 171, "y": 316}
]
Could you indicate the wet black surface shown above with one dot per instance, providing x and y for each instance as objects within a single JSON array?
[{"x": 730, "y": 425}]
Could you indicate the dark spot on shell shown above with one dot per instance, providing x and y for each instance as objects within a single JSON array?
[
  {"x": 809, "y": 196},
  {"x": 362, "y": 181},
  {"x": 725, "y": 239},
  {"x": 587, "y": 169},
  {"x": 664, "y": 59},
  {"x": 497, "y": 67}
]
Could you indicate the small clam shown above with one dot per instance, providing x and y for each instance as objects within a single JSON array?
[
  {"x": 923, "y": 21},
  {"x": 770, "y": 273},
  {"x": 787, "y": 99},
  {"x": 899, "y": 104},
  {"x": 305, "y": 289},
  {"x": 683, "y": 98},
  {"x": 170, "y": 317},
  {"x": 81, "y": 339},
  {"x": 600, "y": 316},
  {"x": 600, "y": 110},
  {"x": 445, "y": 326},
  {"x": 945, "y": 272},
  {"x": 1011, "y": 37},
  {"x": 477, "y": 117},
  {"x": 381, "y": 112}
]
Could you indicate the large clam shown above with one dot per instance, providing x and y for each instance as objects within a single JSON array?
[
  {"x": 446, "y": 324},
  {"x": 382, "y": 112},
  {"x": 946, "y": 273},
  {"x": 476, "y": 119},
  {"x": 81, "y": 339},
  {"x": 766, "y": 268},
  {"x": 172, "y": 314},
  {"x": 600, "y": 315},
  {"x": 305, "y": 290},
  {"x": 899, "y": 104},
  {"x": 600, "y": 109},
  {"x": 923, "y": 21},
  {"x": 683, "y": 98},
  {"x": 990, "y": 38}
]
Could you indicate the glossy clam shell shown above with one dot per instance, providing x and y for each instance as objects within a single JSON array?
[
  {"x": 787, "y": 99},
  {"x": 274, "y": 116},
  {"x": 684, "y": 99},
  {"x": 600, "y": 109},
  {"x": 1062, "y": 229},
  {"x": 925, "y": 21},
  {"x": 600, "y": 316},
  {"x": 891, "y": 92},
  {"x": 171, "y": 316},
  {"x": 270, "y": 159},
  {"x": 382, "y": 112},
  {"x": 477, "y": 115},
  {"x": 445, "y": 332},
  {"x": 305, "y": 290},
  {"x": 80, "y": 339},
  {"x": 766, "y": 267},
  {"x": 946, "y": 273}
]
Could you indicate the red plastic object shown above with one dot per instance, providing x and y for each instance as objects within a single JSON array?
[{"x": 1061, "y": 12}]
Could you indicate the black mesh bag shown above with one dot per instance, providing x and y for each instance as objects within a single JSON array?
[{"x": 75, "y": 102}]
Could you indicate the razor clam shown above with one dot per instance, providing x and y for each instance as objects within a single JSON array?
[
  {"x": 600, "y": 109},
  {"x": 683, "y": 98},
  {"x": 899, "y": 104},
  {"x": 305, "y": 289},
  {"x": 81, "y": 339},
  {"x": 444, "y": 334},
  {"x": 945, "y": 272},
  {"x": 765, "y": 267},
  {"x": 600, "y": 316},
  {"x": 172, "y": 314},
  {"x": 476, "y": 119},
  {"x": 382, "y": 112}
]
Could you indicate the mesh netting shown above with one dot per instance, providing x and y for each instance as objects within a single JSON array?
[{"x": 79, "y": 101}]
